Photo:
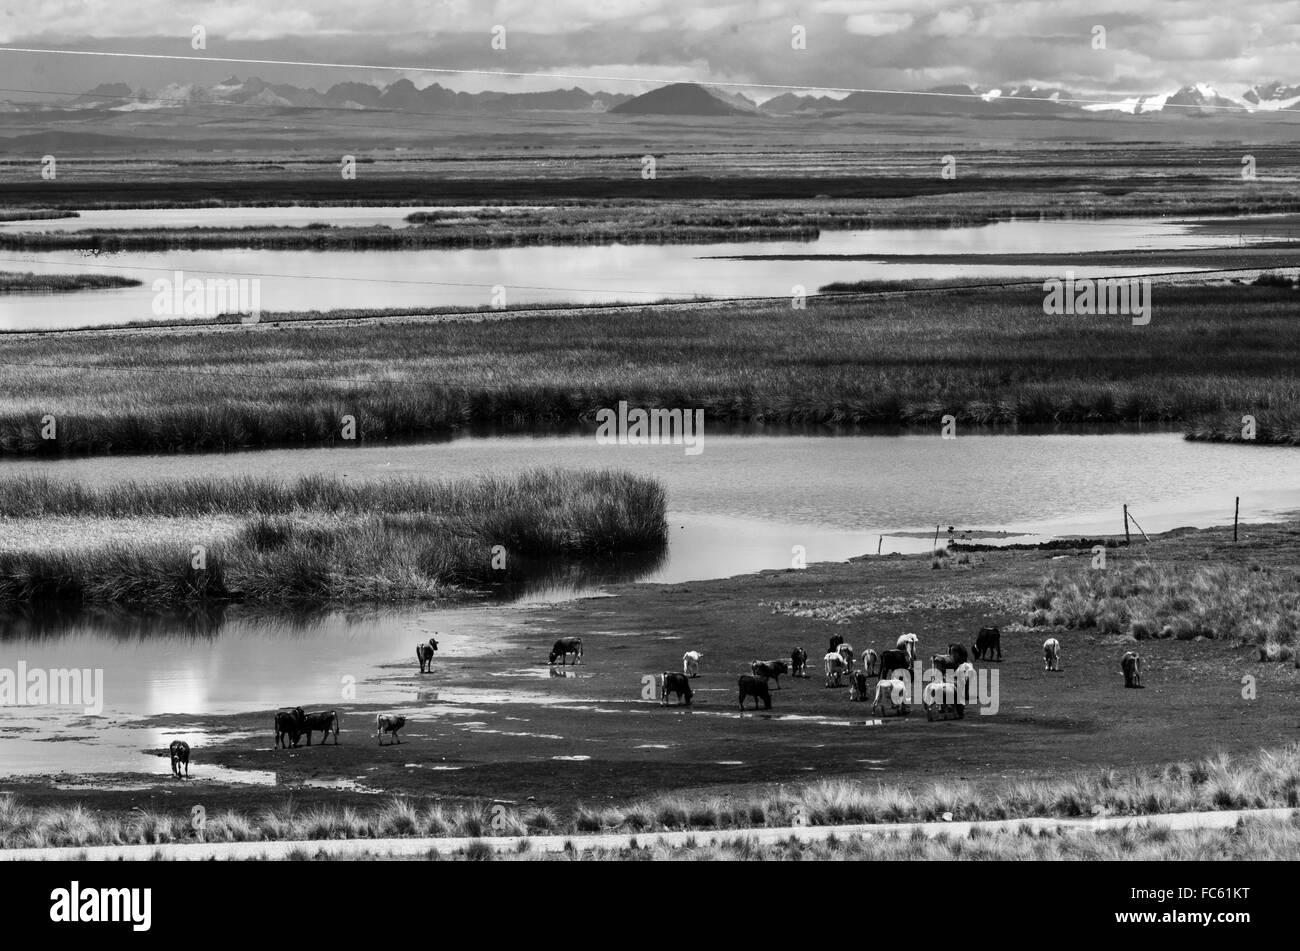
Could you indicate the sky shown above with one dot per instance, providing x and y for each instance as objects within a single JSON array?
[{"x": 1149, "y": 45}]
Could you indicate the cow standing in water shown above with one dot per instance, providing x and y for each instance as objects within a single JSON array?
[
  {"x": 180, "y": 752},
  {"x": 566, "y": 646},
  {"x": 424, "y": 654}
]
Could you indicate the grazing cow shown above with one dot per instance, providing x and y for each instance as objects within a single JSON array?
[
  {"x": 907, "y": 642},
  {"x": 770, "y": 670},
  {"x": 1131, "y": 664},
  {"x": 798, "y": 662},
  {"x": 988, "y": 640},
  {"x": 691, "y": 663},
  {"x": 289, "y": 725},
  {"x": 424, "y": 654},
  {"x": 967, "y": 690},
  {"x": 756, "y": 687},
  {"x": 180, "y": 751},
  {"x": 566, "y": 646},
  {"x": 938, "y": 692},
  {"x": 1051, "y": 654},
  {"x": 679, "y": 684},
  {"x": 958, "y": 653},
  {"x": 858, "y": 685},
  {"x": 835, "y": 668},
  {"x": 388, "y": 723},
  {"x": 836, "y": 641},
  {"x": 871, "y": 662},
  {"x": 846, "y": 651},
  {"x": 325, "y": 721},
  {"x": 944, "y": 662},
  {"x": 890, "y": 695},
  {"x": 892, "y": 660}
]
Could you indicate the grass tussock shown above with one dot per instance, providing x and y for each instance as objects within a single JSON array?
[
  {"x": 1264, "y": 779},
  {"x": 322, "y": 540},
  {"x": 1256, "y": 605}
]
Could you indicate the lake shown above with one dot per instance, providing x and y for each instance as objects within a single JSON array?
[
  {"x": 323, "y": 280},
  {"x": 739, "y": 506}
]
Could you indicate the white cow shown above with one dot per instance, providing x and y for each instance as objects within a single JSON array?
[
  {"x": 835, "y": 668},
  {"x": 964, "y": 681},
  {"x": 938, "y": 692},
  {"x": 907, "y": 642},
  {"x": 691, "y": 663},
  {"x": 1051, "y": 654},
  {"x": 890, "y": 694},
  {"x": 846, "y": 651}
]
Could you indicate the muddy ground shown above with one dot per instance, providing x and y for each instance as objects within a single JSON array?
[{"x": 500, "y": 726}]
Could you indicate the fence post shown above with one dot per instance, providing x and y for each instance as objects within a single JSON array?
[
  {"x": 1126, "y": 538},
  {"x": 1236, "y": 511},
  {"x": 935, "y": 545}
]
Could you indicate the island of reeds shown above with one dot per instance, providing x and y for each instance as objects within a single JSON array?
[
  {"x": 317, "y": 540},
  {"x": 13, "y": 282}
]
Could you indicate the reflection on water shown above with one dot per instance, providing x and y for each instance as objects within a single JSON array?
[{"x": 434, "y": 278}]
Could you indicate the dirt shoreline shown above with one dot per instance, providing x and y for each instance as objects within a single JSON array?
[{"x": 498, "y": 726}]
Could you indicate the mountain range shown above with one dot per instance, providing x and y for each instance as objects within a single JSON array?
[{"x": 681, "y": 99}]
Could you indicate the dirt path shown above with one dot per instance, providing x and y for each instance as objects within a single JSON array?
[{"x": 414, "y": 848}]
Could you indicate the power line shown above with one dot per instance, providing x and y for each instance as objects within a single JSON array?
[{"x": 585, "y": 77}]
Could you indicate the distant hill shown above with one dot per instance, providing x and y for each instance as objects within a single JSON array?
[{"x": 679, "y": 99}]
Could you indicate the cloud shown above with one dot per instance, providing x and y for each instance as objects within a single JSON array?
[
  {"x": 862, "y": 43},
  {"x": 877, "y": 24}
]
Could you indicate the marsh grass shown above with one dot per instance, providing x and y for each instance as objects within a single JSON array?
[
  {"x": 987, "y": 357},
  {"x": 1255, "y": 605},
  {"x": 14, "y": 282},
  {"x": 322, "y": 540},
  {"x": 1264, "y": 779}
]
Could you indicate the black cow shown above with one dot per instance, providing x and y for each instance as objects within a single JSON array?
[
  {"x": 180, "y": 751},
  {"x": 1131, "y": 664},
  {"x": 756, "y": 687},
  {"x": 891, "y": 660},
  {"x": 678, "y": 684},
  {"x": 798, "y": 662},
  {"x": 955, "y": 657},
  {"x": 858, "y": 685},
  {"x": 958, "y": 653},
  {"x": 388, "y": 723},
  {"x": 424, "y": 654},
  {"x": 988, "y": 640},
  {"x": 325, "y": 721},
  {"x": 836, "y": 641},
  {"x": 290, "y": 723},
  {"x": 770, "y": 670},
  {"x": 566, "y": 646}
]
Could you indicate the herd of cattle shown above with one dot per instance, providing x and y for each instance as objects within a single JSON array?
[
  {"x": 840, "y": 662},
  {"x": 889, "y": 667}
]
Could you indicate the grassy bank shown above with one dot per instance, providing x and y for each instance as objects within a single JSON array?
[
  {"x": 985, "y": 356},
  {"x": 1257, "y": 605},
  {"x": 14, "y": 282},
  {"x": 318, "y": 540},
  {"x": 1261, "y": 780}
]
